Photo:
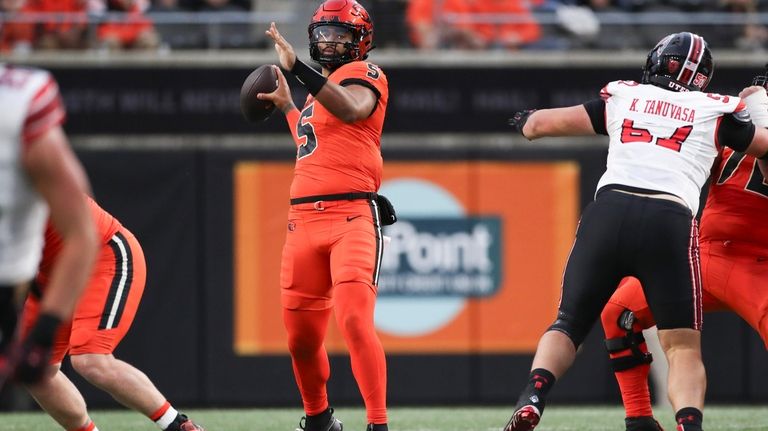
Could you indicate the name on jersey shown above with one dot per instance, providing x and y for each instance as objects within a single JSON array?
[{"x": 664, "y": 109}]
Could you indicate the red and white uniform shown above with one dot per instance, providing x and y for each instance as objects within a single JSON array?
[
  {"x": 31, "y": 106},
  {"x": 662, "y": 140}
]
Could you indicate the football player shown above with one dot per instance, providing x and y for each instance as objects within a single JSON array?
[
  {"x": 733, "y": 245},
  {"x": 333, "y": 246},
  {"x": 664, "y": 137},
  {"x": 101, "y": 319},
  {"x": 39, "y": 175}
]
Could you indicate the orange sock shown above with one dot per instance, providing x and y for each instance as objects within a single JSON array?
[
  {"x": 306, "y": 331},
  {"x": 354, "y": 304},
  {"x": 633, "y": 382}
]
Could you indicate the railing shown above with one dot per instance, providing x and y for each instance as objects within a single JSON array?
[{"x": 218, "y": 30}]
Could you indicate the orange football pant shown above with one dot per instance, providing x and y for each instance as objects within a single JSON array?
[
  {"x": 734, "y": 277},
  {"x": 330, "y": 261},
  {"x": 108, "y": 305}
]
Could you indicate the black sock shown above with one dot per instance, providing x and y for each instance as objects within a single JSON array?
[
  {"x": 690, "y": 418},
  {"x": 377, "y": 427},
  {"x": 540, "y": 382},
  {"x": 319, "y": 421}
]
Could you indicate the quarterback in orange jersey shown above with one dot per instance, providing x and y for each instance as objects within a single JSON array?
[
  {"x": 101, "y": 319},
  {"x": 733, "y": 244},
  {"x": 333, "y": 245}
]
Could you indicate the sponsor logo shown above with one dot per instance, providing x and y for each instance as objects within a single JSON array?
[{"x": 442, "y": 257}]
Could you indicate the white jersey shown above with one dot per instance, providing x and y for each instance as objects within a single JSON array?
[
  {"x": 662, "y": 140},
  {"x": 31, "y": 106}
]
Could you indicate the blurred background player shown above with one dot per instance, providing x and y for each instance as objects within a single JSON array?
[
  {"x": 102, "y": 317},
  {"x": 333, "y": 246},
  {"x": 734, "y": 250},
  {"x": 664, "y": 135},
  {"x": 39, "y": 175}
]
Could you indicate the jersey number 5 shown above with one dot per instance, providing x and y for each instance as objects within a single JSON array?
[
  {"x": 630, "y": 133},
  {"x": 756, "y": 183},
  {"x": 305, "y": 130}
]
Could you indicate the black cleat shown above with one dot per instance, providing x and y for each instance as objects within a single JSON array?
[
  {"x": 377, "y": 427},
  {"x": 332, "y": 425},
  {"x": 183, "y": 423},
  {"x": 642, "y": 423}
]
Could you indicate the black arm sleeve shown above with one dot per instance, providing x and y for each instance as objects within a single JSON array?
[
  {"x": 596, "y": 111},
  {"x": 736, "y": 131}
]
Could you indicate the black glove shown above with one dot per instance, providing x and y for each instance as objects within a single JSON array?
[
  {"x": 34, "y": 353},
  {"x": 519, "y": 119}
]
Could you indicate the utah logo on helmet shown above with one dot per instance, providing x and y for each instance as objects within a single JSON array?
[
  {"x": 679, "y": 62},
  {"x": 346, "y": 15}
]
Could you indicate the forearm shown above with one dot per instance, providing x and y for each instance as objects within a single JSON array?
[{"x": 70, "y": 274}]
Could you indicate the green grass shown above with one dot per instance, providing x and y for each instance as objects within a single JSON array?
[{"x": 404, "y": 419}]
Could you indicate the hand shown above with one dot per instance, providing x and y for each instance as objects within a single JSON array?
[
  {"x": 284, "y": 49},
  {"x": 519, "y": 119},
  {"x": 31, "y": 362},
  {"x": 750, "y": 90},
  {"x": 281, "y": 97}
]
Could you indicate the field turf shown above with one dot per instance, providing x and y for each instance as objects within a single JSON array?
[{"x": 557, "y": 418}]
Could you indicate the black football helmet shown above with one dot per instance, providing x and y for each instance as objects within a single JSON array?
[{"x": 679, "y": 62}]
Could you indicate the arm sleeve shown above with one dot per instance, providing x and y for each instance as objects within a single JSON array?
[
  {"x": 596, "y": 111},
  {"x": 46, "y": 111},
  {"x": 736, "y": 130}
]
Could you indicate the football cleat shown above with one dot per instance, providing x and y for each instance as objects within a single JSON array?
[
  {"x": 642, "y": 423},
  {"x": 332, "y": 425},
  {"x": 524, "y": 419},
  {"x": 183, "y": 423}
]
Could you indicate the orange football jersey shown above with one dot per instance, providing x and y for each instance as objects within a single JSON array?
[
  {"x": 336, "y": 157},
  {"x": 106, "y": 226},
  {"x": 737, "y": 201}
]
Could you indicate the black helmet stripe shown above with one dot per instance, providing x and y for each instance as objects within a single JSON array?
[{"x": 695, "y": 52}]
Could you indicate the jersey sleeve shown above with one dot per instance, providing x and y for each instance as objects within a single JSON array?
[
  {"x": 46, "y": 111},
  {"x": 366, "y": 74}
]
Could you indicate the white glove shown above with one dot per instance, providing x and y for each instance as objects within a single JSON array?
[{"x": 757, "y": 105}]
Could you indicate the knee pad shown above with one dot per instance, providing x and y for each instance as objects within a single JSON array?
[
  {"x": 632, "y": 340},
  {"x": 576, "y": 331}
]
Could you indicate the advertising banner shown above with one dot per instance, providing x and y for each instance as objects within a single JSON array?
[{"x": 473, "y": 265}]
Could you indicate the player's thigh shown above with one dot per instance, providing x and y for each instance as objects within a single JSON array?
[
  {"x": 667, "y": 265},
  {"x": 592, "y": 271},
  {"x": 108, "y": 306},
  {"x": 357, "y": 251},
  {"x": 305, "y": 277},
  {"x": 746, "y": 292}
]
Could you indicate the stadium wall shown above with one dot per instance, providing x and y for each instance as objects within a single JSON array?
[{"x": 162, "y": 141}]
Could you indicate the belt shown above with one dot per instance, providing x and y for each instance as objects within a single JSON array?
[{"x": 334, "y": 197}]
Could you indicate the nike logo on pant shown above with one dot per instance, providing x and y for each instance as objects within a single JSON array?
[{"x": 350, "y": 218}]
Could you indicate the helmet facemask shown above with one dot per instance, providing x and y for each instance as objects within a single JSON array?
[{"x": 325, "y": 39}]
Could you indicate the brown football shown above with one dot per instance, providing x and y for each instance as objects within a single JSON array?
[{"x": 261, "y": 80}]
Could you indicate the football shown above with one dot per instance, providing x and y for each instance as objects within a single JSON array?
[{"x": 261, "y": 80}]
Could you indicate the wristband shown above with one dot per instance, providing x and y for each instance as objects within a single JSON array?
[
  {"x": 309, "y": 77},
  {"x": 44, "y": 330}
]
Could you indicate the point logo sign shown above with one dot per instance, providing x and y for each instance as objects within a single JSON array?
[{"x": 442, "y": 257}]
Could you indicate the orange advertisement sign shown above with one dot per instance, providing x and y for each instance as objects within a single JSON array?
[{"x": 474, "y": 264}]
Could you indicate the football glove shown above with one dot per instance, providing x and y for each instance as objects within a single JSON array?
[
  {"x": 34, "y": 353},
  {"x": 519, "y": 119}
]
